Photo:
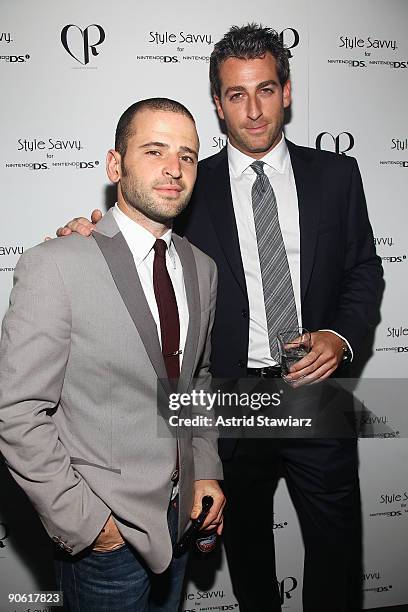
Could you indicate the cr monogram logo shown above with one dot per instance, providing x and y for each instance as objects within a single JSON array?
[
  {"x": 290, "y": 38},
  {"x": 339, "y": 144},
  {"x": 81, "y": 43},
  {"x": 287, "y": 585}
]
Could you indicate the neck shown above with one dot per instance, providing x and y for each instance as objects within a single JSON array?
[{"x": 154, "y": 227}]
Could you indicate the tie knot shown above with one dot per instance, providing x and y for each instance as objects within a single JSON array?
[
  {"x": 160, "y": 247},
  {"x": 257, "y": 167}
]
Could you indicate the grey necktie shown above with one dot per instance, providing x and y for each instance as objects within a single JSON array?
[{"x": 277, "y": 285}]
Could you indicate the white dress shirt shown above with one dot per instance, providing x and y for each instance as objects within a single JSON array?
[
  {"x": 279, "y": 171},
  {"x": 140, "y": 241},
  {"x": 278, "y": 168}
]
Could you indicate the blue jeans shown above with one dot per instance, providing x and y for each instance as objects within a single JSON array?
[{"x": 119, "y": 581}]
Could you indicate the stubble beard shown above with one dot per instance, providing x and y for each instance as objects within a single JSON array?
[
  {"x": 248, "y": 144},
  {"x": 139, "y": 198}
]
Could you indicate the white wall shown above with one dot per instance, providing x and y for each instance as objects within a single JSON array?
[{"x": 50, "y": 97}]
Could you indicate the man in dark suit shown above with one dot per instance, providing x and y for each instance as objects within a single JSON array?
[{"x": 289, "y": 231}]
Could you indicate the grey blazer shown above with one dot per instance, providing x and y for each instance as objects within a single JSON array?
[{"x": 80, "y": 361}]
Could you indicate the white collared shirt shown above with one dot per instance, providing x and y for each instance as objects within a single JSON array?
[
  {"x": 279, "y": 171},
  {"x": 278, "y": 168},
  {"x": 140, "y": 242}
]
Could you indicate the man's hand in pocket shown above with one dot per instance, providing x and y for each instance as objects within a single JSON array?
[{"x": 109, "y": 538}]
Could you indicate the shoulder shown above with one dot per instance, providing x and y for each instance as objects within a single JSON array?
[
  {"x": 202, "y": 260},
  {"x": 328, "y": 159},
  {"x": 218, "y": 159},
  {"x": 51, "y": 253}
]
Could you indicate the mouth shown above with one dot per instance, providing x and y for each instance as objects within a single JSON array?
[
  {"x": 257, "y": 129},
  {"x": 169, "y": 190}
]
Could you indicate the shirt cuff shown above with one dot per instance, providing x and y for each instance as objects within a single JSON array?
[{"x": 343, "y": 338}]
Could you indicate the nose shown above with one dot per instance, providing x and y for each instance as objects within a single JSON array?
[
  {"x": 172, "y": 167},
  {"x": 254, "y": 110}
]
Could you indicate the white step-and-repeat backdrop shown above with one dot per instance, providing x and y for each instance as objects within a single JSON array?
[{"x": 68, "y": 69}]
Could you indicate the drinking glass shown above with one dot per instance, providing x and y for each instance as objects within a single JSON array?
[{"x": 293, "y": 345}]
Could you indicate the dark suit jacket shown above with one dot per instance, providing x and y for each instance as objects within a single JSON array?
[{"x": 341, "y": 275}]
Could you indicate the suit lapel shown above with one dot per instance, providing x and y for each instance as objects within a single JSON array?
[
  {"x": 122, "y": 267},
  {"x": 221, "y": 210},
  {"x": 307, "y": 179},
  {"x": 219, "y": 198},
  {"x": 187, "y": 259}
]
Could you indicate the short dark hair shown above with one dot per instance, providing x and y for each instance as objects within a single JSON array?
[
  {"x": 124, "y": 130},
  {"x": 248, "y": 42}
]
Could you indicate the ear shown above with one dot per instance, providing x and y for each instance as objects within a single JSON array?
[
  {"x": 286, "y": 94},
  {"x": 113, "y": 167},
  {"x": 218, "y": 105}
]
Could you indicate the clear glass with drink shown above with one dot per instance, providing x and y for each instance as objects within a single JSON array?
[{"x": 293, "y": 345}]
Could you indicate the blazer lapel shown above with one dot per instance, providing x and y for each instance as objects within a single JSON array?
[
  {"x": 221, "y": 210},
  {"x": 187, "y": 259},
  {"x": 122, "y": 267},
  {"x": 307, "y": 179}
]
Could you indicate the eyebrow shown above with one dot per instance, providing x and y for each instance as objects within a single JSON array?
[
  {"x": 259, "y": 86},
  {"x": 163, "y": 145},
  {"x": 188, "y": 150},
  {"x": 153, "y": 143}
]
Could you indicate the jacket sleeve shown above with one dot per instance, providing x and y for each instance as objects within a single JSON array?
[
  {"x": 207, "y": 464},
  {"x": 34, "y": 351},
  {"x": 358, "y": 309}
]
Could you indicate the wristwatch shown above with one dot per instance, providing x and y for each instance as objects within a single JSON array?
[{"x": 346, "y": 354}]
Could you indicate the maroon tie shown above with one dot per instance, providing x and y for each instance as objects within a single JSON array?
[
  {"x": 169, "y": 322},
  {"x": 168, "y": 312}
]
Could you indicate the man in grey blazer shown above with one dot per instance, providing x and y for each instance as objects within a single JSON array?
[{"x": 84, "y": 360}]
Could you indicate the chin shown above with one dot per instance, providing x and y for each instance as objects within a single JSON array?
[
  {"x": 267, "y": 146},
  {"x": 168, "y": 214},
  {"x": 160, "y": 217},
  {"x": 260, "y": 148}
]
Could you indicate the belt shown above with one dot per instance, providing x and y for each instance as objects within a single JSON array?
[{"x": 267, "y": 372}]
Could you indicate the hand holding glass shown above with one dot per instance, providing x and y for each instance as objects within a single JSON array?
[{"x": 293, "y": 345}]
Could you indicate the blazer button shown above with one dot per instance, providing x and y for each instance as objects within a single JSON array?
[
  {"x": 244, "y": 313},
  {"x": 68, "y": 549},
  {"x": 56, "y": 539},
  {"x": 174, "y": 476},
  {"x": 241, "y": 364}
]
